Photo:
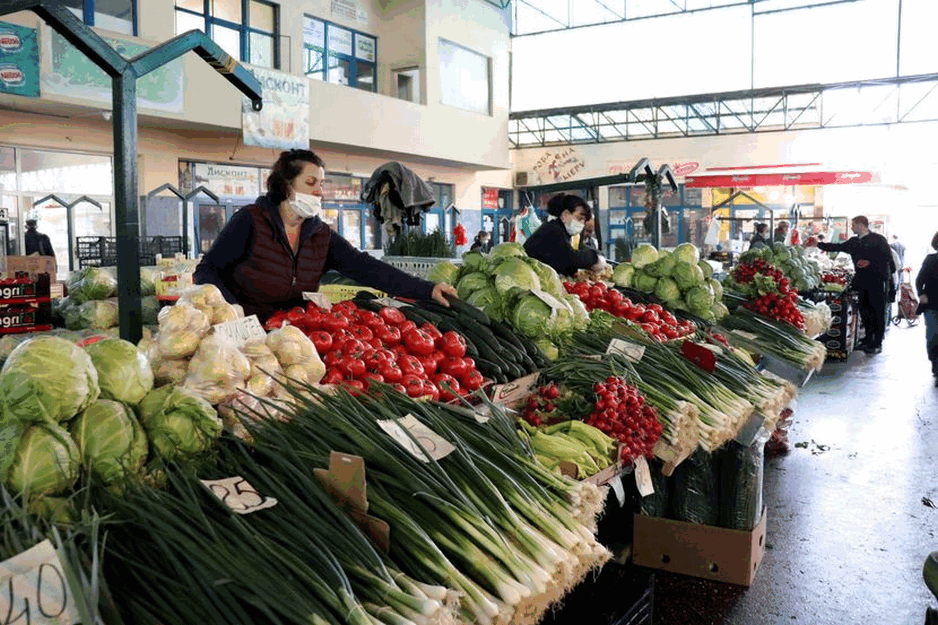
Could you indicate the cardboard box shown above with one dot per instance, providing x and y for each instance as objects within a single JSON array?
[
  {"x": 715, "y": 553},
  {"x": 34, "y": 265}
]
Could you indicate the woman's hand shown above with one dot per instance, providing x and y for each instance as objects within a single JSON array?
[{"x": 440, "y": 291}]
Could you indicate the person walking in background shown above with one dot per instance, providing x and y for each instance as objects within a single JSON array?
[
  {"x": 899, "y": 249},
  {"x": 781, "y": 232},
  {"x": 872, "y": 259},
  {"x": 482, "y": 242},
  {"x": 758, "y": 239},
  {"x": 926, "y": 283},
  {"x": 588, "y": 236},
  {"x": 37, "y": 242}
]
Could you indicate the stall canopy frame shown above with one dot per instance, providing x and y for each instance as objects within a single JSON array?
[{"x": 124, "y": 74}]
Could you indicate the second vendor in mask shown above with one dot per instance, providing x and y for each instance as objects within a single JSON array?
[{"x": 551, "y": 243}]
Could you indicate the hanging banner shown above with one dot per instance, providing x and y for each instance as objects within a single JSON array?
[
  {"x": 788, "y": 179},
  {"x": 74, "y": 75},
  {"x": 283, "y": 123},
  {"x": 489, "y": 198},
  {"x": 19, "y": 60}
]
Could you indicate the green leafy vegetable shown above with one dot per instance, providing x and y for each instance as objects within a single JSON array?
[
  {"x": 623, "y": 275},
  {"x": 46, "y": 462},
  {"x": 124, "y": 372},
  {"x": 514, "y": 273},
  {"x": 111, "y": 443},
  {"x": 179, "y": 423},
  {"x": 644, "y": 254}
]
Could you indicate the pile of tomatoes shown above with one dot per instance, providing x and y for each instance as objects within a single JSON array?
[
  {"x": 361, "y": 348},
  {"x": 834, "y": 278},
  {"x": 620, "y": 412},
  {"x": 657, "y": 322}
]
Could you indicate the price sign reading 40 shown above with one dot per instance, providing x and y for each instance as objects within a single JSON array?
[{"x": 34, "y": 590}]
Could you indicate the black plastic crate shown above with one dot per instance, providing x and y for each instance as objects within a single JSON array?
[{"x": 102, "y": 251}]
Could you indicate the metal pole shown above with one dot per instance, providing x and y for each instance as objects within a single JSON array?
[
  {"x": 126, "y": 209},
  {"x": 70, "y": 232}
]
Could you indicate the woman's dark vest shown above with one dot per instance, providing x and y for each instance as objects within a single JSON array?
[{"x": 271, "y": 278}]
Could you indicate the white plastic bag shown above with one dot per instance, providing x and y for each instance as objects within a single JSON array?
[{"x": 217, "y": 370}]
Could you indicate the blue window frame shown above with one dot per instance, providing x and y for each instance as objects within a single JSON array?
[
  {"x": 340, "y": 55},
  {"x": 246, "y": 29},
  {"x": 116, "y": 15}
]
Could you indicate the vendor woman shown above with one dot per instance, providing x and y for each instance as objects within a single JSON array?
[
  {"x": 551, "y": 243},
  {"x": 277, "y": 248}
]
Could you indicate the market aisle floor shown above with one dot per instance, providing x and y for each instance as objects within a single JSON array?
[{"x": 850, "y": 522}]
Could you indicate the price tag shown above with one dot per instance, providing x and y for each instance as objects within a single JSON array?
[
  {"x": 547, "y": 298},
  {"x": 749, "y": 336},
  {"x": 511, "y": 393},
  {"x": 423, "y": 443},
  {"x": 631, "y": 351},
  {"x": 239, "y": 495},
  {"x": 33, "y": 589},
  {"x": 643, "y": 477},
  {"x": 618, "y": 489},
  {"x": 391, "y": 302},
  {"x": 240, "y": 331},
  {"x": 320, "y": 299}
]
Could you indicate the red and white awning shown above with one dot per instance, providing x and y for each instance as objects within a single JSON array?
[{"x": 775, "y": 176}]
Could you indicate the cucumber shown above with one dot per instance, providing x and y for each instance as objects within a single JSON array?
[
  {"x": 491, "y": 370},
  {"x": 367, "y": 304},
  {"x": 503, "y": 332}
]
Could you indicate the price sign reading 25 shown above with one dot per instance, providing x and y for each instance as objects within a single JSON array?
[
  {"x": 34, "y": 590},
  {"x": 239, "y": 495}
]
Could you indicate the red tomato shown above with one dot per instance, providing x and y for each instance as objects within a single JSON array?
[
  {"x": 346, "y": 308},
  {"x": 362, "y": 333},
  {"x": 667, "y": 317},
  {"x": 373, "y": 360},
  {"x": 649, "y": 328},
  {"x": 392, "y": 316},
  {"x": 372, "y": 378},
  {"x": 334, "y": 321},
  {"x": 406, "y": 326},
  {"x": 410, "y": 365},
  {"x": 650, "y": 316},
  {"x": 351, "y": 346},
  {"x": 322, "y": 340},
  {"x": 432, "y": 330},
  {"x": 333, "y": 376},
  {"x": 453, "y": 344},
  {"x": 614, "y": 296},
  {"x": 391, "y": 371},
  {"x": 354, "y": 387},
  {"x": 313, "y": 320},
  {"x": 455, "y": 367},
  {"x": 333, "y": 358},
  {"x": 430, "y": 364},
  {"x": 376, "y": 343},
  {"x": 399, "y": 351},
  {"x": 472, "y": 381},
  {"x": 352, "y": 367},
  {"x": 448, "y": 385},
  {"x": 368, "y": 318},
  {"x": 429, "y": 388},
  {"x": 655, "y": 307},
  {"x": 399, "y": 388},
  {"x": 389, "y": 335},
  {"x": 413, "y": 385},
  {"x": 418, "y": 342}
]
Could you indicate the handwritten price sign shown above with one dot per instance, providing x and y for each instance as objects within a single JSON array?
[
  {"x": 239, "y": 495},
  {"x": 34, "y": 591},
  {"x": 417, "y": 438}
]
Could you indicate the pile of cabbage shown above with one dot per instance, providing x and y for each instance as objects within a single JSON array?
[
  {"x": 802, "y": 267},
  {"x": 91, "y": 303},
  {"x": 510, "y": 286},
  {"x": 67, "y": 411},
  {"x": 680, "y": 279}
]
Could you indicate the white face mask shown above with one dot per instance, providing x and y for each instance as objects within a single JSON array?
[
  {"x": 574, "y": 227},
  {"x": 306, "y": 205}
]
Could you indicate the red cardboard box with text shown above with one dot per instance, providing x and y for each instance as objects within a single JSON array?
[{"x": 715, "y": 553}]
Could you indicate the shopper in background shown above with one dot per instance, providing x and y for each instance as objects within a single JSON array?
[
  {"x": 482, "y": 242},
  {"x": 588, "y": 236},
  {"x": 37, "y": 242},
  {"x": 926, "y": 283},
  {"x": 274, "y": 250},
  {"x": 899, "y": 249},
  {"x": 551, "y": 244},
  {"x": 758, "y": 239},
  {"x": 872, "y": 259},
  {"x": 781, "y": 232}
]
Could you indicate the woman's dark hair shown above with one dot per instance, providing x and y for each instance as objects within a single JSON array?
[
  {"x": 934, "y": 242},
  {"x": 760, "y": 228},
  {"x": 566, "y": 202},
  {"x": 288, "y": 166}
]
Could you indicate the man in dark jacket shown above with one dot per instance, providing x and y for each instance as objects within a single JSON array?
[
  {"x": 36, "y": 242},
  {"x": 872, "y": 259},
  {"x": 926, "y": 283}
]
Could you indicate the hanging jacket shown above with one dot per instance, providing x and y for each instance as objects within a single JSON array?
[
  {"x": 253, "y": 264},
  {"x": 408, "y": 191},
  {"x": 551, "y": 245}
]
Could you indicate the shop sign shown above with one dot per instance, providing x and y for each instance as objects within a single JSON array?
[
  {"x": 74, "y": 75},
  {"x": 230, "y": 180},
  {"x": 340, "y": 40},
  {"x": 558, "y": 166},
  {"x": 19, "y": 60},
  {"x": 365, "y": 48},
  {"x": 349, "y": 11},
  {"x": 489, "y": 198},
  {"x": 283, "y": 123},
  {"x": 678, "y": 168}
]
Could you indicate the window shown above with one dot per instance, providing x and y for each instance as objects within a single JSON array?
[
  {"x": 119, "y": 16},
  {"x": 407, "y": 84},
  {"x": 339, "y": 55},
  {"x": 465, "y": 78},
  {"x": 245, "y": 29}
]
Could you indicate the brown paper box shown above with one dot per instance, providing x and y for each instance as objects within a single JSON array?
[
  {"x": 34, "y": 265},
  {"x": 715, "y": 553}
]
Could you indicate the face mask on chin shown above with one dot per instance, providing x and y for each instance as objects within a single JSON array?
[
  {"x": 306, "y": 205},
  {"x": 574, "y": 227}
]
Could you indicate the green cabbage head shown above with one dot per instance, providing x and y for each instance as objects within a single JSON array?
[
  {"x": 179, "y": 423},
  {"x": 508, "y": 249},
  {"x": 473, "y": 261},
  {"x": 687, "y": 274},
  {"x": 706, "y": 268},
  {"x": 47, "y": 379},
  {"x": 111, "y": 443},
  {"x": 644, "y": 282},
  {"x": 717, "y": 289},
  {"x": 46, "y": 462},
  {"x": 667, "y": 290},
  {"x": 532, "y": 317},
  {"x": 445, "y": 271},
  {"x": 470, "y": 283},
  {"x": 514, "y": 273},
  {"x": 687, "y": 252},
  {"x": 644, "y": 254},
  {"x": 124, "y": 372},
  {"x": 623, "y": 274},
  {"x": 699, "y": 299}
]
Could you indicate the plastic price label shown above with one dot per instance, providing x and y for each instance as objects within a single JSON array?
[
  {"x": 511, "y": 393},
  {"x": 643, "y": 477},
  {"x": 618, "y": 489},
  {"x": 631, "y": 351},
  {"x": 423, "y": 443},
  {"x": 34, "y": 589},
  {"x": 239, "y": 495},
  {"x": 547, "y": 298},
  {"x": 240, "y": 331},
  {"x": 320, "y": 299}
]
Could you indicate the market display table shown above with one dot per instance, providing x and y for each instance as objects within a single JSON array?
[{"x": 841, "y": 339}]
